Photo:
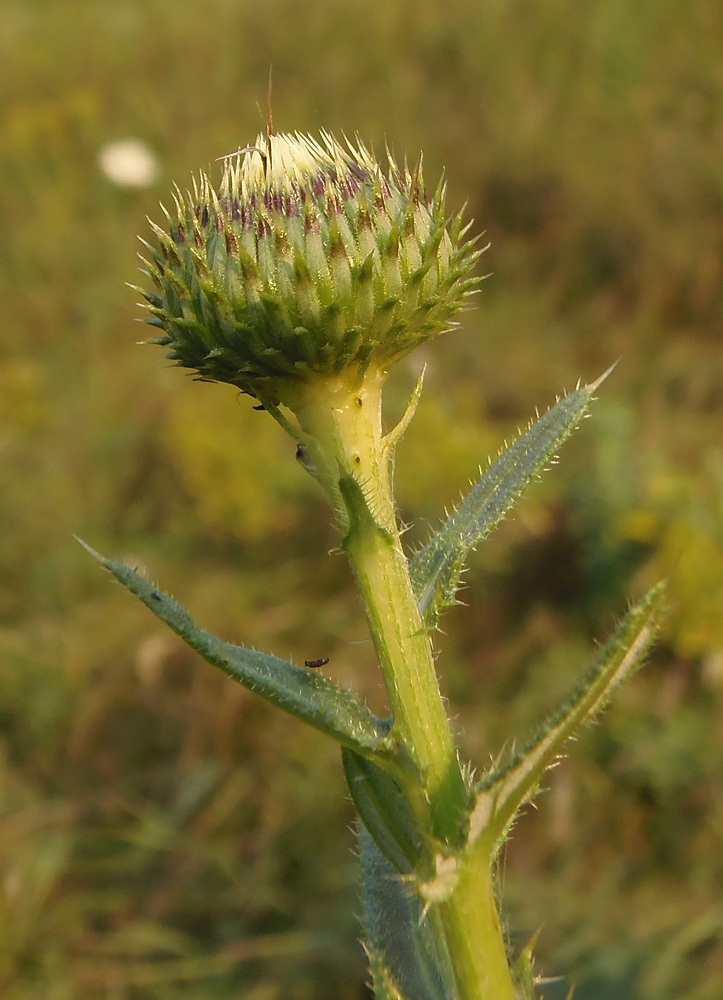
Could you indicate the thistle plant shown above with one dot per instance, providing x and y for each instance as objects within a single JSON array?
[{"x": 302, "y": 279}]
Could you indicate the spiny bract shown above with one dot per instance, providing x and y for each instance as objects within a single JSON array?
[{"x": 309, "y": 260}]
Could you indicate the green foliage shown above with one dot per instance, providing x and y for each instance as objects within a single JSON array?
[
  {"x": 507, "y": 786},
  {"x": 307, "y": 695},
  {"x": 402, "y": 957},
  {"x": 586, "y": 135},
  {"x": 437, "y": 567},
  {"x": 384, "y": 810},
  {"x": 425, "y": 934}
]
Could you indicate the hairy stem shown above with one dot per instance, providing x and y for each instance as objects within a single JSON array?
[
  {"x": 345, "y": 445},
  {"x": 470, "y": 924},
  {"x": 346, "y": 450}
]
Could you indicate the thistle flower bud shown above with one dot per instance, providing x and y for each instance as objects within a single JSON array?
[{"x": 309, "y": 260}]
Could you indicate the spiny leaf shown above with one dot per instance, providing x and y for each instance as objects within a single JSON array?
[
  {"x": 502, "y": 791},
  {"x": 382, "y": 980},
  {"x": 403, "y": 955},
  {"x": 306, "y": 694},
  {"x": 437, "y": 567}
]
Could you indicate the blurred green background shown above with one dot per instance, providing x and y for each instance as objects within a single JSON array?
[{"x": 162, "y": 833}]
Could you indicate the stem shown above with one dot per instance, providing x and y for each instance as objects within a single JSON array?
[
  {"x": 344, "y": 439},
  {"x": 344, "y": 443},
  {"x": 470, "y": 926}
]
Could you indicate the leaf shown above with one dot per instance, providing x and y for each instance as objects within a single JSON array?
[
  {"x": 437, "y": 567},
  {"x": 304, "y": 693},
  {"x": 403, "y": 956},
  {"x": 505, "y": 789},
  {"x": 382, "y": 980},
  {"x": 384, "y": 810}
]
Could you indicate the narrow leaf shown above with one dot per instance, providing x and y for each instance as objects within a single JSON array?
[
  {"x": 502, "y": 791},
  {"x": 403, "y": 954},
  {"x": 384, "y": 810},
  {"x": 382, "y": 979},
  {"x": 437, "y": 567},
  {"x": 304, "y": 693}
]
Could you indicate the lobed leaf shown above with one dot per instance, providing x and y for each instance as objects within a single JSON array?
[
  {"x": 304, "y": 693},
  {"x": 437, "y": 567}
]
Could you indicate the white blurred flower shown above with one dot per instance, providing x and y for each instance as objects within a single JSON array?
[{"x": 128, "y": 163}]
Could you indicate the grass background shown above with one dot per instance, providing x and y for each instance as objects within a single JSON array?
[{"x": 163, "y": 834}]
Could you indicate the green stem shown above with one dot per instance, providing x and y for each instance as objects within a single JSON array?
[
  {"x": 344, "y": 443},
  {"x": 470, "y": 925},
  {"x": 346, "y": 449}
]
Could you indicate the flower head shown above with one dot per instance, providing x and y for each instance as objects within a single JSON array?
[{"x": 308, "y": 260}]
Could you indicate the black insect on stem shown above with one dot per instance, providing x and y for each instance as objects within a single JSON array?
[{"x": 315, "y": 664}]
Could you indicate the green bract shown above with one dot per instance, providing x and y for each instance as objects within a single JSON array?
[{"x": 308, "y": 260}]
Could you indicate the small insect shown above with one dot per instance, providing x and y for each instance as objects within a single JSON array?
[
  {"x": 315, "y": 664},
  {"x": 302, "y": 457}
]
